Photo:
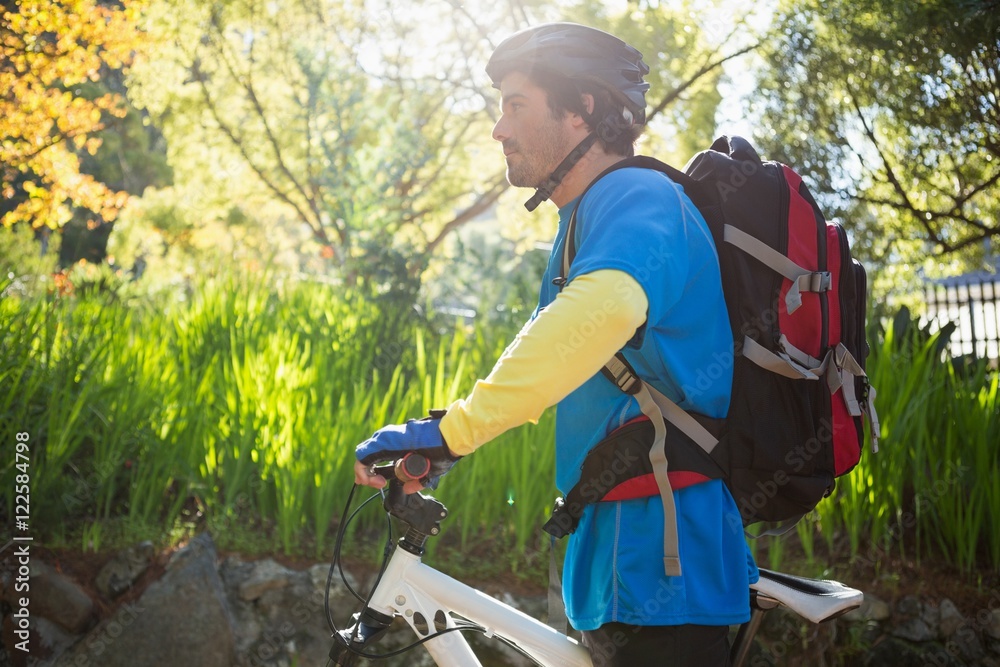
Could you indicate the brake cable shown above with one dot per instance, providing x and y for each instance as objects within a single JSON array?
[{"x": 338, "y": 564}]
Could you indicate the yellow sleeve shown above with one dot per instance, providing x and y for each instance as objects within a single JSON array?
[{"x": 563, "y": 347}]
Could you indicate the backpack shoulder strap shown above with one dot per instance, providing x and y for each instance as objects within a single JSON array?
[
  {"x": 692, "y": 188},
  {"x": 654, "y": 405}
]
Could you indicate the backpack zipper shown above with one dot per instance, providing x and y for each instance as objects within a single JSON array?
[
  {"x": 847, "y": 333},
  {"x": 824, "y": 297},
  {"x": 861, "y": 285},
  {"x": 854, "y": 326},
  {"x": 851, "y": 326},
  {"x": 784, "y": 192}
]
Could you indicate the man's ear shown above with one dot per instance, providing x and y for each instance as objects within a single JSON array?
[{"x": 587, "y": 102}]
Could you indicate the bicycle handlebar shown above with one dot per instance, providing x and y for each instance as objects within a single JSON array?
[{"x": 411, "y": 467}]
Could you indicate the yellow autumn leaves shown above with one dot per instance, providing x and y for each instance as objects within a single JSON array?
[{"x": 49, "y": 53}]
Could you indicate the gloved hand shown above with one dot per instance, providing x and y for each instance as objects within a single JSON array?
[{"x": 422, "y": 436}]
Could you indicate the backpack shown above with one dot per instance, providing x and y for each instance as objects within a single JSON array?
[{"x": 796, "y": 300}]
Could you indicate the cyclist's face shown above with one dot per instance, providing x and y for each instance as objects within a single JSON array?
[{"x": 534, "y": 139}]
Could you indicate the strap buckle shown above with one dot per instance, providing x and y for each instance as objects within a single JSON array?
[
  {"x": 819, "y": 281},
  {"x": 562, "y": 522},
  {"x": 622, "y": 375}
]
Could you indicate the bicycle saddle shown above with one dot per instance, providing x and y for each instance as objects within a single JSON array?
[{"x": 814, "y": 599}]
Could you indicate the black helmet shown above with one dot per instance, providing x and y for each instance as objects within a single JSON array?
[{"x": 580, "y": 53}]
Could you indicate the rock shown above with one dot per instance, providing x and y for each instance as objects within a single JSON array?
[
  {"x": 872, "y": 609},
  {"x": 55, "y": 597},
  {"x": 265, "y": 576},
  {"x": 992, "y": 625},
  {"x": 909, "y": 607},
  {"x": 53, "y": 640},
  {"x": 951, "y": 619},
  {"x": 119, "y": 573},
  {"x": 293, "y": 624},
  {"x": 930, "y": 614},
  {"x": 234, "y": 571},
  {"x": 897, "y": 653},
  {"x": 319, "y": 573},
  {"x": 10, "y": 639},
  {"x": 182, "y": 619},
  {"x": 246, "y": 627},
  {"x": 279, "y": 613},
  {"x": 965, "y": 644},
  {"x": 914, "y": 630},
  {"x": 916, "y": 621}
]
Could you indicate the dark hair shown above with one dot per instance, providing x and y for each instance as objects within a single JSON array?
[{"x": 616, "y": 135}]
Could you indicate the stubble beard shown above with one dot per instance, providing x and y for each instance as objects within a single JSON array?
[
  {"x": 535, "y": 160},
  {"x": 524, "y": 174}
]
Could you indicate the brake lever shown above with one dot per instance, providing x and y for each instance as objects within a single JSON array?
[{"x": 385, "y": 470}]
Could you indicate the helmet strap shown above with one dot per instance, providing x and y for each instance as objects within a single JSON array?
[{"x": 546, "y": 189}]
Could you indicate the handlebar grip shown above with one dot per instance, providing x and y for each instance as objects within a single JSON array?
[{"x": 412, "y": 466}]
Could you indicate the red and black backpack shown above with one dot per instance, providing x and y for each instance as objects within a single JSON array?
[{"x": 796, "y": 300}]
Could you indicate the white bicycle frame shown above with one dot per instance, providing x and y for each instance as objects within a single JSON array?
[{"x": 426, "y": 598}]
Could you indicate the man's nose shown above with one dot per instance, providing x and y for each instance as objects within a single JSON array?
[{"x": 500, "y": 131}]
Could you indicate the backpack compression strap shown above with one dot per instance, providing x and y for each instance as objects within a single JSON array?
[
  {"x": 803, "y": 280},
  {"x": 839, "y": 367}
]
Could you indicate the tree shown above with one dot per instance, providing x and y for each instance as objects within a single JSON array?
[
  {"x": 686, "y": 47},
  {"x": 48, "y": 52},
  {"x": 892, "y": 108},
  {"x": 368, "y": 121},
  {"x": 366, "y": 162}
]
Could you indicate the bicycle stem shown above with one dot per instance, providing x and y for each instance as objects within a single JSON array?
[{"x": 423, "y": 514}]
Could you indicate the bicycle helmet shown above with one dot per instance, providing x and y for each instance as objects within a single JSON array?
[{"x": 581, "y": 54}]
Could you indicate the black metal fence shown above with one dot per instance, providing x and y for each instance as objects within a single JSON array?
[{"x": 973, "y": 304}]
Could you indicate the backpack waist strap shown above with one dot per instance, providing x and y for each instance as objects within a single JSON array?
[{"x": 619, "y": 468}]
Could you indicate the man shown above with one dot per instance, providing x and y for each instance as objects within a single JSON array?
[{"x": 645, "y": 279}]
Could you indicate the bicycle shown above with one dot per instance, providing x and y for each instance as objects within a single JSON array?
[{"x": 438, "y": 608}]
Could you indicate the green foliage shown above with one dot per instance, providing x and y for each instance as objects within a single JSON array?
[
  {"x": 930, "y": 488},
  {"x": 27, "y": 259},
  {"x": 130, "y": 157},
  {"x": 360, "y": 149},
  {"x": 132, "y": 153},
  {"x": 316, "y": 117},
  {"x": 490, "y": 278},
  {"x": 238, "y": 410},
  {"x": 242, "y": 405},
  {"x": 889, "y": 107}
]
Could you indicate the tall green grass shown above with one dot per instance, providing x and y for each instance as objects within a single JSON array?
[
  {"x": 932, "y": 489},
  {"x": 239, "y": 409},
  {"x": 242, "y": 405}
]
